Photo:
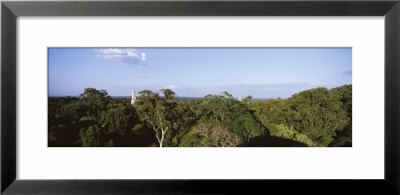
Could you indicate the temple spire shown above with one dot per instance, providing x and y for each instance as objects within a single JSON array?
[{"x": 133, "y": 100}]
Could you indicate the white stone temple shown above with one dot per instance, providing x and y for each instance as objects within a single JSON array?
[{"x": 133, "y": 100}]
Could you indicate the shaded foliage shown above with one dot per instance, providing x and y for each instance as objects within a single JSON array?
[
  {"x": 212, "y": 134},
  {"x": 317, "y": 117}
]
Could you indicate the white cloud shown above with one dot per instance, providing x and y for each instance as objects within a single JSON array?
[
  {"x": 143, "y": 56},
  {"x": 130, "y": 56},
  {"x": 172, "y": 87}
]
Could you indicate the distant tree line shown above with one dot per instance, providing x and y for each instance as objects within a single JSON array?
[{"x": 317, "y": 117}]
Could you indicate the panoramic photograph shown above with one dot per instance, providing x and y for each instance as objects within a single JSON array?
[{"x": 199, "y": 97}]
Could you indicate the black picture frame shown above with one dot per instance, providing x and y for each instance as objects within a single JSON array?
[{"x": 11, "y": 10}]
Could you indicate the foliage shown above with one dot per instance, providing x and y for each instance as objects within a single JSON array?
[
  {"x": 157, "y": 112},
  {"x": 315, "y": 117},
  {"x": 289, "y": 133},
  {"x": 91, "y": 136},
  {"x": 215, "y": 134},
  {"x": 319, "y": 113}
]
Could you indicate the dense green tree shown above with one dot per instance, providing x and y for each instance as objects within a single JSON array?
[
  {"x": 231, "y": 113},
  {"x": 91, "y": 136},
  {"x": 248, "y": 99},
  {"x": 157, "y": 112},
  {"x": 319, "y": 114},
  {"x": 168, "y": 94},
  {"x": 315, "y": 117},
  {"x": 214, "y": 134}
]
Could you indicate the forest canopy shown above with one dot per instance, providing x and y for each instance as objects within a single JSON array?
[{"x": 316, "y": 118}]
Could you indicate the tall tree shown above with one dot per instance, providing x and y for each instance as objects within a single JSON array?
[
  {"x": 157, "y": 112},
  {"x": 214, "y": 134}
]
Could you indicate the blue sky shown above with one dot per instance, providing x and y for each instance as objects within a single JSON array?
[{"x": 196, "y": 72}]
